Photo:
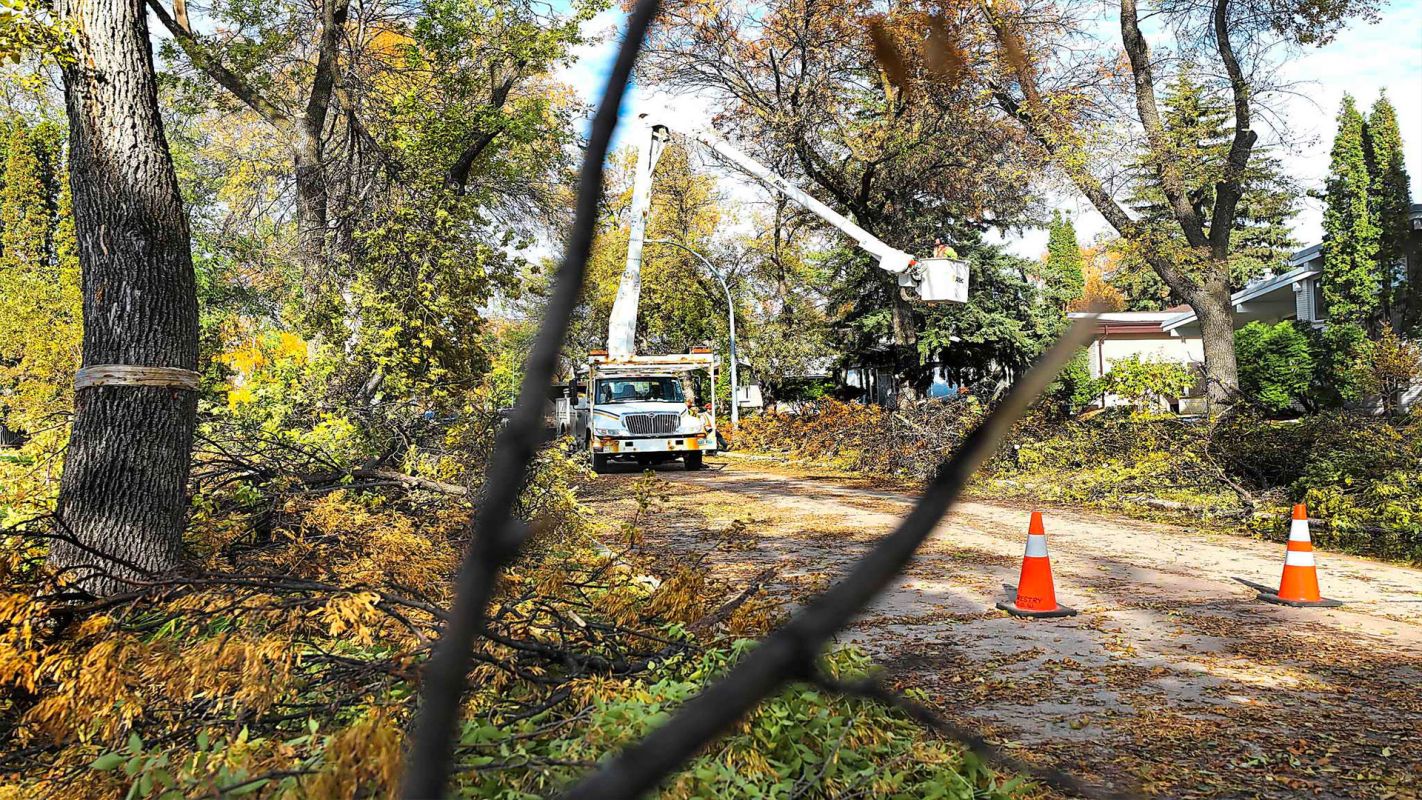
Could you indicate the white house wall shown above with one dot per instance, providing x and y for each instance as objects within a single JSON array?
[
  {"x": 1106, "y": 351},
  {"x": 1117, "y": 347}
]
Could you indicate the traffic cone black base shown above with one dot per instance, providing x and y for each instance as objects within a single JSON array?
[
  {"x": 1320, "y": 603},
  {"x": 1011, "y": 608}
]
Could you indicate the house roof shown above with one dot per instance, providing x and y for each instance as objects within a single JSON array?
[
  {"x": 1127, "y": 317},
  {"x": 1303, "y": 264}
]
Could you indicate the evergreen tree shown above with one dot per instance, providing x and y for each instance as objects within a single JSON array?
[
  {"x": 1063, "y": 287},
  {"x": 1200, "y": 125},
  {"x": 1350, "y": 234},
  {"x": 1390, "y": 199},
  {"x": 1064, "y": 270}
]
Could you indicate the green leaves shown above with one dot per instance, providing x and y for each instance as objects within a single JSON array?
[
  {"x": 1146, "y": 382},
  {"x": 1065, "y": 266},
  {"x": 108, "y": 761},
  {"x": 1276, "y": 364}
]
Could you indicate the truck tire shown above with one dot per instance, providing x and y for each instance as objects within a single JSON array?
[
  {"x": 599, "y": 463},
  {"x": 693, "y": 460}
]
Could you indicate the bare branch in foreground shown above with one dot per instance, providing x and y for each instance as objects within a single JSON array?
[
  {"x": 497, "y": 533},
  {"x": 790, "y": 652}
]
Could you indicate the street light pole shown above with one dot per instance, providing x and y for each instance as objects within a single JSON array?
[{"x": 731, "y": 315}]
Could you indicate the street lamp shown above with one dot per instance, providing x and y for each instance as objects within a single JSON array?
[{"x": 730, "y": 313}]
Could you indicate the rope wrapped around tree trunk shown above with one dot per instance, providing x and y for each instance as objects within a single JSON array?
[{"x": 129, "y": 375}]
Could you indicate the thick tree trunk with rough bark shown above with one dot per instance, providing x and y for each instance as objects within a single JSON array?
[
  {"x": 1212, "y": 308},
  {"x": 122, "y": 496}
]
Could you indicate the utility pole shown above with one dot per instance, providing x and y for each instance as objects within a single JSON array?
[{"x": 731, "y": 315}]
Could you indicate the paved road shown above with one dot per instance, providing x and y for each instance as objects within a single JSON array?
[{"x": 1173, "y": 677}]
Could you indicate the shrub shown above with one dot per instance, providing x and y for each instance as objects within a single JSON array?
[
  {"x": 1075, "y": 389},
  {"x": 1144, "y": 382},
  {"x": 1386, "y": 367},
  {"x": 1337, "y": 347},
  {"x": 1275, "y": 365}
]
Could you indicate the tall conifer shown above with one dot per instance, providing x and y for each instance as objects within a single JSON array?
[
  {"x": 1390, "y": 199},
  {"x": 1351, "y": 285},
  {"x": 1065, "y": 268}
]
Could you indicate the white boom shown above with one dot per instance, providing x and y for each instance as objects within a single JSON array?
[{"x": 934, "y": 279}]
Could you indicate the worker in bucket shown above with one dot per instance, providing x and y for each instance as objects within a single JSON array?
[{"x": 941, "y": 249}]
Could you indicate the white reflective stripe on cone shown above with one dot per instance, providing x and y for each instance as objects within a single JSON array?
[
  {"x": 1036, "y": 546},
  {"x": 1298, "y": 558},
  {"x": 1298, "y": 531}
]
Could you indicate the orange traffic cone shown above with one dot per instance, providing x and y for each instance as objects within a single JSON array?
[
  {"x": 1299, "y": 585},
  {"x": 1036, "y": 596}
]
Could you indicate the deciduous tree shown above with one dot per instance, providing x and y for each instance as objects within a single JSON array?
[
  {"x": 40, "y": 307},
  {"x": 122, "y": 499},
  {"x": 392, "y": 92},
  {"x": 1066, "y": 103},
  {"x": 796, "y": 83}
]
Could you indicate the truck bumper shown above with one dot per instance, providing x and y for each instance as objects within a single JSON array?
[{"x": 609, "y": 445}]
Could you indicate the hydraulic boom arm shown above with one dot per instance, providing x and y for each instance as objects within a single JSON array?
[{"x": 934, "y": 280}]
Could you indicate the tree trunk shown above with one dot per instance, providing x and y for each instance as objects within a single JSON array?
[
  {"x": 122, "y": 497},
  {"x": 1213, "y": 309},
  {"x": 310, "y": 212},
  {"x": 907, "y": 364}
]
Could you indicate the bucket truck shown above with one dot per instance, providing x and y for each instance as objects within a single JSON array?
[{"x": 639, "y": 406}]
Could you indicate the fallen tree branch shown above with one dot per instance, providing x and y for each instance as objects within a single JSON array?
[
  {"x": 723, "y": 613},
  {"x": 412, "y": 481}
]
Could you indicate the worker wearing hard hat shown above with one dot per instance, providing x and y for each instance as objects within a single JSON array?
[{"x": 941, "y": 249}]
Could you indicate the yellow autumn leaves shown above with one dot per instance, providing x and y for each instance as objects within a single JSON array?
[{"x": 252, "y": 358}]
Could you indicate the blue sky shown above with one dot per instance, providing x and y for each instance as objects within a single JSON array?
[{"x": 1363, "y": 60}]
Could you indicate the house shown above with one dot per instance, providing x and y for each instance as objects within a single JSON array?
[
  {"x": 1173, "y": 335},
  {"x": 1141, "y": 334},
  {"x": 1293, "y": 293}
]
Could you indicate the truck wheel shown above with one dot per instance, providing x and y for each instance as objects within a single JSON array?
[
  {"x": 599, "y": 462},
  {"x": 693, "y": 460}
]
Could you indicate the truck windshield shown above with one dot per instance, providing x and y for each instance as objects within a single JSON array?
[{"x": 637, "y": 390}]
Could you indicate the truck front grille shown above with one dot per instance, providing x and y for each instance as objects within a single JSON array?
[{"x": 651, "y": 424}]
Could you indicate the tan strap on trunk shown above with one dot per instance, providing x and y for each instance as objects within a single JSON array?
[{"x": 128, "y": 375}]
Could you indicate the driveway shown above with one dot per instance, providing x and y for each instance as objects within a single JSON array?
[{"x": 1172, "y": 679}]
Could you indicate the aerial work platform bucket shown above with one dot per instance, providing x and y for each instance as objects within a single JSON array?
[{"x": 941, "y": 280}]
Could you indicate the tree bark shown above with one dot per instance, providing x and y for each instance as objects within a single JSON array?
[
  {"x": 122, "y": 496},
  {"x": 1216, "y": 315},
  {"x": 310, "y": 174}
]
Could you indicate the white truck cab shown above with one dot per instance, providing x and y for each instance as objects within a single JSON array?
[{"x": 643, "y": 409}]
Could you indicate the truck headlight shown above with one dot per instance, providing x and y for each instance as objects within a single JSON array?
[
  {"x": 691, "y": 424},
  {"x": 604, "y": 426}
]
